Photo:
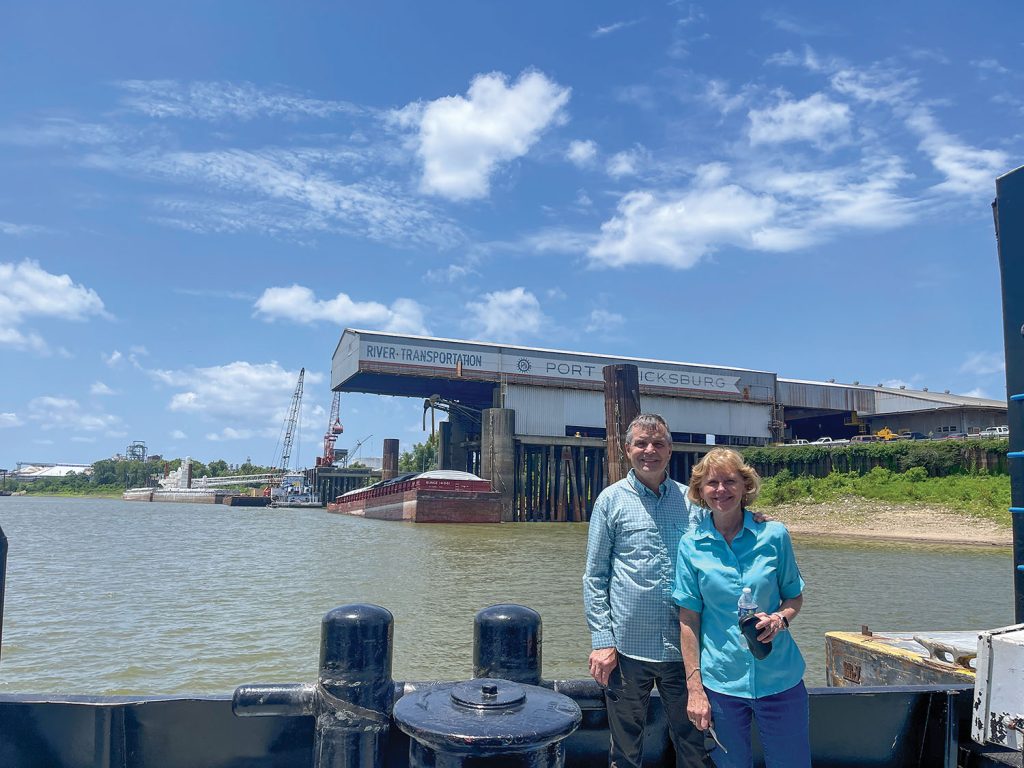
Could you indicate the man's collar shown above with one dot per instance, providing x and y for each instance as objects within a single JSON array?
[{"x": 639, "y": 487}]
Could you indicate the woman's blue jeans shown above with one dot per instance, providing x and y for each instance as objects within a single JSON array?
[{"x": 782, "y": 722}]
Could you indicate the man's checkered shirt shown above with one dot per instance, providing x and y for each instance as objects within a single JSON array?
[{"x": 630, "y": 573}]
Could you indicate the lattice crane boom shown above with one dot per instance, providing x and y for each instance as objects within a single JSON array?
[
  {"x": 291, "y": 423},
  {"x": 334, "y": 429}
]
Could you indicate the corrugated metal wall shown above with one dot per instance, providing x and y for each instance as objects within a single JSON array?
[
  {"x": 803, "y": 394},
  {"x": 547, "y": 411},
  {"x": 711, "y": 416}
]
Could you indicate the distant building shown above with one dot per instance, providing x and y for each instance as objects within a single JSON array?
[{"x": 35, "y": 470}]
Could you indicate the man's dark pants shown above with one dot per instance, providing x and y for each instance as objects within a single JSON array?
[{"x": 627, "y": 697}]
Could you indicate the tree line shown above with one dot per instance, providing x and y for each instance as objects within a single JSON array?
[{"x": 114, "y": 475}]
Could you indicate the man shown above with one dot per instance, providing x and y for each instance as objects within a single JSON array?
[{"x": 635, "y": 530}]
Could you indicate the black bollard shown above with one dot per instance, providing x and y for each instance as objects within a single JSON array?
[
  {"x": 352, "y": 697},
  {"x": 487, "y": 721},
  {"x": 507, "y": 643}
]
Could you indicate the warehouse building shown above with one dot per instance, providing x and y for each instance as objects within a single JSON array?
[{"x": 533, "y": 420}]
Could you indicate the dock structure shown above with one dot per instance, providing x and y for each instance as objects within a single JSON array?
[{"x": 536, "y": 422}]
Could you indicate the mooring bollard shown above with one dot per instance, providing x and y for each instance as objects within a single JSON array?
[
  {"x": 456, "y": 725},
  {"x": 352, "y": 697},
  {"x": 507, "y": 643}
]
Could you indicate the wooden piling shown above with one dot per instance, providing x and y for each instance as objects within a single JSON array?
[{"x": 621, "y": 406}]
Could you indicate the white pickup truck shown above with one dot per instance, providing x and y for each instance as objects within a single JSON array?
[
  {"x": 1003, "y": 431},
  {"x": 829, "y": 441}
]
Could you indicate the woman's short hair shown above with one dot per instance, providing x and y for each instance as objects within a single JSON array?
[{"x": 723, "y": 460}]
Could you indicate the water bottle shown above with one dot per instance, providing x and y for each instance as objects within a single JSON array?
[
  {"x": 747, "y": 610},
  {"x": 746, "y": 605}
]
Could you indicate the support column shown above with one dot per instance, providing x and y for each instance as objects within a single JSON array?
[
  {"x": 444, "y": 445},
  {"x": 389, "y": 465},
  {"x": 498, "y": 456},
  {"x": 621, "y": 406}
]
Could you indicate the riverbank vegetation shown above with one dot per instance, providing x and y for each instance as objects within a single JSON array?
[
  {"x": 978, "y": 495},
  {"x": 110, "y": 477},
  {"x": 938, "y": 458}
]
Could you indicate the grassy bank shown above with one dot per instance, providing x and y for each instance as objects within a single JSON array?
[{"x": 982, "y": 496}]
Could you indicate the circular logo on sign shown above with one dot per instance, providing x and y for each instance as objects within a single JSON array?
[{"x": 523, "y": 365}]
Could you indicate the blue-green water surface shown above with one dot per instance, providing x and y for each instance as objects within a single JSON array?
[{"x": 112, "y": 597}]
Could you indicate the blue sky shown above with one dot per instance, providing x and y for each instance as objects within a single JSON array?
[{"x": 196, "y": 198}]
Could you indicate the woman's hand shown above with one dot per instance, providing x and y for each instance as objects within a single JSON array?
[
  {"x": 769, "y": 625},
  {"x": 698, "y": 709}
]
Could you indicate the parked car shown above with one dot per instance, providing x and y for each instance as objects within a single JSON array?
[
  {"x": 1003, "y": 431},
  {"x": 913, "y": 435},
  {"x": 829, "y": 441},
  {"x": 799, "y": 441},
  {"x": 952, "y": 436},
  {"x": 867, "y": 439}
]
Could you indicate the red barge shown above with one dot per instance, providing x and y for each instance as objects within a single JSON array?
[{"x": 438, "y": 496}]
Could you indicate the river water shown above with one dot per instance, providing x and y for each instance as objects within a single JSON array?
[{"x": 113, "y": 597}]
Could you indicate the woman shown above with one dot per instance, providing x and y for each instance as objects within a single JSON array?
[{"x": 727, "y": 686}]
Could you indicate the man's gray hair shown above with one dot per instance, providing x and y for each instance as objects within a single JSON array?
[{"x": 647, "y": 422}]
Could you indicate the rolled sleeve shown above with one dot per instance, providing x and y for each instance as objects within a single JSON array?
[
  {"x": 791, "y": 583},
  {"x": 686, "y": 592}
]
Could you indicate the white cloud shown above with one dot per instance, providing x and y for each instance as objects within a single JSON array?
[
  {"x": 581, "y": 153},
  {"x": 624, "y": 163},
  {"x": 815, "y": 204},
  {"x": 462, "y": 141},
  {"x": 60, "y": 131},
  {"x": 816, "y": 119},
  {"x": 99, "y": 388},
  {"x": 602, "y": 321},
  {"x": 506, "y": 315},
  {"x": 984, "y": 363},
  {"x": 968, "y": 170},
  {"x": 299, "y": 304},
  {"x": 230, "y": 433},
  {"x": 874, "y": 86},
  {"x": 976, "y": 392},
  {"x": 17, "y": 230},
  {"x": 27, "y": 291},
  {"x": 282, "y": 192},
  {"x": 677, "y": 229},
  {"x": 716, "y": 93},
  {"x": 113, "y": 359},
  {"x": 66, "y": 414},
  {"x": 450, "y": 274},
  {"x": 609, "y": 29},
  {"x": 220, "y": 100},
  {"x": 250, "y": 396},
  {"x": 9, "y": 420},
  {"x": 177, "y": 434}
]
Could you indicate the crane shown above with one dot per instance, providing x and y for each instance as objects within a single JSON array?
[
  {"x": 290, "y": 424},
  {"x": 355, "y": 451},
  {"x": 334, "y": 429}
]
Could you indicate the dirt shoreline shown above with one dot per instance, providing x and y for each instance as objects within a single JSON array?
[{"x": 880, "y": 521}]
